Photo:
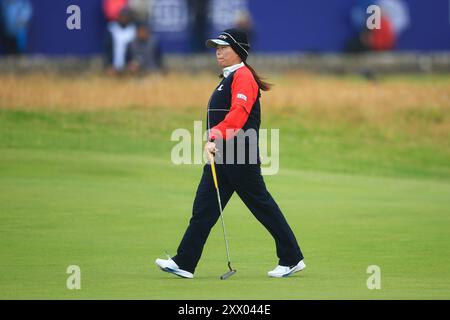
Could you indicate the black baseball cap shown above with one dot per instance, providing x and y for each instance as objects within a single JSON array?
[{"x": 233, "y": 37}]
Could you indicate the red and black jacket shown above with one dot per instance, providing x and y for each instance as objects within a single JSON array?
[{"x": 234, "y": 106}]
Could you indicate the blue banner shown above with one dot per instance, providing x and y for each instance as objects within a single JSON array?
[{"x": 277, "y": 26}]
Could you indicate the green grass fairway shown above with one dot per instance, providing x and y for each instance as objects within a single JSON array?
[{"x": 98, "y": 190}]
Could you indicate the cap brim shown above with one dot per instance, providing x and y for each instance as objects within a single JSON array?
[{"x": 213, "y": 43}]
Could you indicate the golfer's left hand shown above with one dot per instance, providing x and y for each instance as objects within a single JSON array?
[{"x": 210, "y": 148}]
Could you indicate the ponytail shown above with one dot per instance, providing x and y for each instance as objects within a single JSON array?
[{"x": 263, "y": 85}]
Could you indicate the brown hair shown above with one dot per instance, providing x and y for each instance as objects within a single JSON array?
[{"x": 263, "y": 85}]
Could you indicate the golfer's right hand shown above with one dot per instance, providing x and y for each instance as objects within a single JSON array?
[{"x": 210, "y": 148}]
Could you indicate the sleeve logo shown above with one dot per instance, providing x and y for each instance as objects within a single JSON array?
[{"x": 242, "y": 96}]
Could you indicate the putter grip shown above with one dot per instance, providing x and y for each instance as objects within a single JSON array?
[{"x": 213, "y": 170}]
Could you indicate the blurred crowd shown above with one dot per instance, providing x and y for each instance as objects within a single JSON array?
[
  {"x": 131, "y": 46},
  {"x": 15, "y": 15},
  {"x": 394, "y": 20}
]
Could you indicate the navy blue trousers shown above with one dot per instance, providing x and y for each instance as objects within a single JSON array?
[{"x": 247, "y": 181}]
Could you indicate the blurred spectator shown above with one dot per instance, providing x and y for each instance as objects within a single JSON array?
[
  {"x": 381, "y": 39},
  {"x": 243, "y": 21},
  {"x": 112, "y": 8},
  {"x": 397, "y": 12},
  {"x": 121, "y": 34},
  {"x": 394, "y": 20},
  {"x": 15, "y": 16},
  {"x": 198, "y": 12},
  {"x": 141, "y": 9},
  {"x": 145, "y": 52}
]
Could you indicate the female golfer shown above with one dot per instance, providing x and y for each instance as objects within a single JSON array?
[{"x": 233, "y": 120}]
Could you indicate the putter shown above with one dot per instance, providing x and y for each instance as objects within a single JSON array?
[{"x": 213, "y": 170}]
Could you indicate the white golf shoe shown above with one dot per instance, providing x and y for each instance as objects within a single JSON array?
[
  {"x": 168, "y": 265},
  {"x": 283, "y": 271}
]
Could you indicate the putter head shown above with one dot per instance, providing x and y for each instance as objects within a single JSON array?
[{"x": 227, "y": 275}]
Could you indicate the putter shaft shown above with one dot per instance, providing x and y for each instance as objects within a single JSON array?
[{"x": 216, "y": 184}]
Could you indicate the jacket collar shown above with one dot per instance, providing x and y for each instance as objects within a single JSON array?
[{"x": 228, "y": 70}]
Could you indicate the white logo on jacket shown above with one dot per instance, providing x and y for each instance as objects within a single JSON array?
[
  {"x": 241, "y": 96},
  {"x": 220, "y": 88}
]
